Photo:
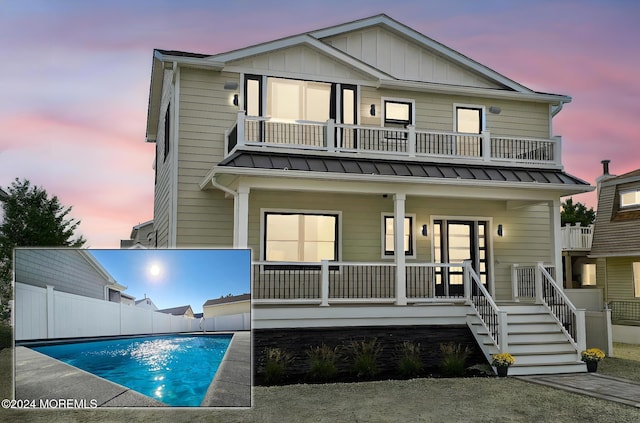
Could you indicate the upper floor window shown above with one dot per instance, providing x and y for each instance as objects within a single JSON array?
[
  {"x": 253, "y": 95},
  {"x": 630, "y": 198},
  {"x": 398, "y": 112},
  {"x": 469, "y": 119},
  {"x": 289, "y": 99}
]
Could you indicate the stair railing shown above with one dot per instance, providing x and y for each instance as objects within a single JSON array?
[
  {"x": 570, "y": 318},
  {"x": 493, "y": 319}
]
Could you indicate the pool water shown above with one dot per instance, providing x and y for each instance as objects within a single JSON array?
[{"x": 176, "y": 370}]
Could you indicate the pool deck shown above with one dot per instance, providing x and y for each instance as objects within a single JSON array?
[{"x": 40, "y": 377}]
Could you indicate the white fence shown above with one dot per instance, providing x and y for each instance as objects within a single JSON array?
[{"x": 43, "y": 313}]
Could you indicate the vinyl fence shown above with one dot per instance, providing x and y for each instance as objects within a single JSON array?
[{"x": 43, "y": 313}]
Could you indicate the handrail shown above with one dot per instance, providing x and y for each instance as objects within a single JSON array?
[
  {"x": 571, "y": 319},
  {"x": 493, "y": 319}
]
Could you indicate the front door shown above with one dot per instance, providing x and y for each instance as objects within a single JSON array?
[{"x": 456, "y": 241}]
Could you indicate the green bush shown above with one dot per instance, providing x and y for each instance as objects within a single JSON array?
[
  {"x": 453, "y": 359},
  {"x": 364, "y": 357},
  {"x": 6, "y": 336},
  {"x": 276, "y": 362},
  {"x": 409, "y": 362},
  {"x": 322, "y": 362}
]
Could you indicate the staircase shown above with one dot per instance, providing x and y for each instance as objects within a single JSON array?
[{"x": 535, "y": 339}]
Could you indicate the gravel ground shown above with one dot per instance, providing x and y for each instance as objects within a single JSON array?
[{"x": 418, "y": 400}]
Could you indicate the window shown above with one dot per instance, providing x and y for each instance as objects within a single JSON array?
[
  {"x": 398, "y": 112},
  {"x": 167, "y": 130},
  {"x": 253, "y": 95},
  {"x": 589, "y": 274},
  {"x": 636, "y": 279},
  {"x": 291, "y": 100},
  {"x": 630, "y": 198},
  {"x": 469, "y": 119},
  {"x": 389, "y": 243},
  {"x": 293, "y": 237}
]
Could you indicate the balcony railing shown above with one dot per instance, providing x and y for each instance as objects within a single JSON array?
[
  {"x": 577, "y": 238},
  {"x": 405, "y": 142}
]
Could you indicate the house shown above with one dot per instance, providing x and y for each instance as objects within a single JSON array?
[
  {"x": 616, "y": 247},
  {"x": 73, "y": 271},
  {"x": 234, "y": 304},
  {"x": 142, "y": 236},
  {"x": 147, "y": 304},
  {"x": 329, "y": 152},
  {"x": 3, "y": 197},
  {"x": 184, "y": 311}
]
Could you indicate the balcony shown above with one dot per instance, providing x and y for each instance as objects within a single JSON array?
[
  {"x": 577, "y": 238},
  {"x": 396, "y": 143}
]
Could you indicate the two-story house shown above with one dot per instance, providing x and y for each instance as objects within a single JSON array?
[
  {"x": 380, "y": 179},
  {"x": 616, "y": 247}
]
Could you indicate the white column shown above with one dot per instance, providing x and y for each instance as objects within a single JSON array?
[
  {"x": 50, "y": 312},
  {"x": 398, "y": 230},
  {"x": 241, "y": 218},
  {"x": 556, "y": 236}
]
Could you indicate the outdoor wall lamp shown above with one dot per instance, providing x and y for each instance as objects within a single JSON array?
[
  {"x": 495, "y": 110},
  {"x": 500, "y": 231},
  {"x": 425, "y": 230},
  {"x": 235, "y": 99},
  {"x": 372, "y": 110}
]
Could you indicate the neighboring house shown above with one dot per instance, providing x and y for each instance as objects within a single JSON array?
[
  {"x": 328, "y": 152},
  {"x": 234, "y": 304},
  {"x": 147, "y": 304},
  {"x": 142, "y": 236},
  {"x": 3, "y": 197},
  {"x": 73, "y": 271},
  {"x": 616, "y": 246},
  {"x": 184, "y": 311}
]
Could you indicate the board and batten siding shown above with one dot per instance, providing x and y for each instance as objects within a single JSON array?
[
  {"x": 65, "y": 269},
  {"x": 436, "y": 112},
  {"x": 527, "y": 240},
  {"x": 204, "y": 218},
  {"x": 405, "y": 59}
]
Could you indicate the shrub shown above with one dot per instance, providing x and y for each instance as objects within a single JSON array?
[
  {"x": 276, "y": 362},
  {"x": 453, "y": 359},
  {"x": 364, "y": 357},
  {"x": 6, "y": 337},
  {"x": 409, "y": 362},
  {"x": 322, "y": 362}
]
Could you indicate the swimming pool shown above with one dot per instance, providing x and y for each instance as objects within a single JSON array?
[{"x": 174, "y": 369}]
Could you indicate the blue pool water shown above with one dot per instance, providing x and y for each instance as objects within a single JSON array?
[{"x": 176, "y": 370}]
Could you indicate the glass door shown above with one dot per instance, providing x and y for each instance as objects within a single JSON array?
[{"x": 457, "y": 241}]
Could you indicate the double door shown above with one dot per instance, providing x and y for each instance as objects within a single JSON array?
[{"x": 456, "y": 241}]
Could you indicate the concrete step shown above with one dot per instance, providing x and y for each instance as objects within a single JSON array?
[
  {"x": 546, "y": 368},
  {"x": 545, "y": 358}
]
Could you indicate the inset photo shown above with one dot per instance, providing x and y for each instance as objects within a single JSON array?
[{"x": 133, "y": 328}]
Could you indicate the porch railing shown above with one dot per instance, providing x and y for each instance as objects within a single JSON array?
[
  {"x": 523, "y": 280},
  {"x": 407, "y": 142},
  {"x": 330, "y": 282},
  {"x": 577, "y": 238},
  {"x": 492, "y": 318}
]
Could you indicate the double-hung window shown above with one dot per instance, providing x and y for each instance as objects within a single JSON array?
[
  {"x": 300, "y": 237},
  {"x": 389, "y": 237},
  {"x": 630, "y": 198}
]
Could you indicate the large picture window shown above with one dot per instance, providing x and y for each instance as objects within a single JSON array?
[
  {"x": 298, "y": 237},
  {"x": 292, "y": 100},
  {"x": 389, "y": 237}
]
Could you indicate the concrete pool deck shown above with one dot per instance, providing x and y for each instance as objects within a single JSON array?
[{"x": 40, "y": 377}]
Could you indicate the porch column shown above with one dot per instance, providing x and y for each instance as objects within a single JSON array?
[
  {"x": 241, "y": 218},
  {"x": 398, "y": 244},
  {"x": 556, "y": 236}
]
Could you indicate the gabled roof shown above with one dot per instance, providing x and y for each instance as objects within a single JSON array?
[
  {"x": 177, "y": 311},
  {"x": 227, "y": 300}
]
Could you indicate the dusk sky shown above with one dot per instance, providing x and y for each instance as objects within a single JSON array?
[
  {"x": 174, "y": 278},
  {"x": 76, "y": 75}
]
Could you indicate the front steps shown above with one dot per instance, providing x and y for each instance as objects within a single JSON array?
[{"x": 535, "y": 339}]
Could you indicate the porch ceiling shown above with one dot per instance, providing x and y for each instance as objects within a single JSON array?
[{"x": 421, "y": 171}]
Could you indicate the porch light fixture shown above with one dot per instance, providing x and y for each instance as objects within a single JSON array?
[
  {"x": 425, "y": 230},
  {"x": 500, "y": 231},
  {"x": 235, "y": 100},
  {"x": 372, "y": 110},
  {"x": 231, "y": 85},
  {"x": 495, "y": 110}
]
